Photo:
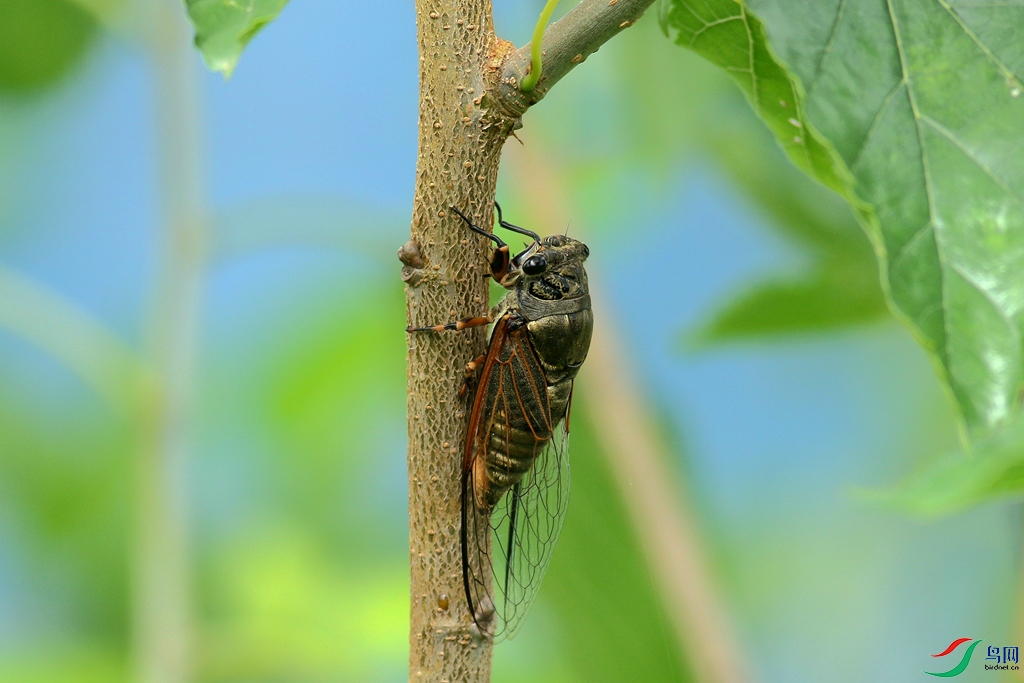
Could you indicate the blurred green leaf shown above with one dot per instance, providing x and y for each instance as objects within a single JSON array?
[
  {"x": 225, "y": 27},
  {"x": 40, "y": 41},
  {"x": 796, "y": 206},
  {"x": 911, "y": 108},
  {"x": 599, "y": 584},
  {"x": 842, "y": 288},
  {"x": 289, "y": 610},
  {"x": 348, "y": 366},
  {"x": 58, "y": 663},
  {"x": 334, "y": 397},
  {"x": 995, "y": 469},
  {"x": 64, "y": 481},
  {"x": 105, "y": 11},
  {"x": 832, "y": 298}
]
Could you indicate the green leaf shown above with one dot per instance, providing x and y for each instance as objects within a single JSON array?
[
  {"x": 225, "y": 27},
  {"x": 911, "y": 109},
  {"x": 829, "y": 300},
  {"x": 842, "y": 288},
  {"x": 960, "y": 480},
  {"x": 40, "y": 41}
]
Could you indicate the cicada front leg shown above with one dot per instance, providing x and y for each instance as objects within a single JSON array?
[
  {"x": 500, "y": 259},
  {"x": 456, "y": 325},
  {"x": 473, "y": 366}
]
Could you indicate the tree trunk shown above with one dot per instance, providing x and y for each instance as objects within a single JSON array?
[{"x": 459, "y": 149}]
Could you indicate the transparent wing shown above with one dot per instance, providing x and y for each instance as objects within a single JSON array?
[
  {"x": 526, "y": 524},
  {"x": 490, "y": 401},
  {"x": 507, "y": 546}
]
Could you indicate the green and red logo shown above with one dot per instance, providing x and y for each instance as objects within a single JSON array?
[{"x": 964, "y": 661}]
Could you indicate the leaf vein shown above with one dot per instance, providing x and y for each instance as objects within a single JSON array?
[
  {"x": 879, "y": 115},
  {"x": 828, "y": 47},
  {"x": 693, "y": 38},
  {"x": 929, "y": 193},
  {"x": 1007, "y": 72},
  {"x": 1006, "y": 318},
  {"x": 923, "y": 230},
  {"x": 755, "y": 97},
  {"x": 946, "y": 133}
]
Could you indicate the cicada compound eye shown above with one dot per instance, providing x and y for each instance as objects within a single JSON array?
[{"x": 535, "y": 265}]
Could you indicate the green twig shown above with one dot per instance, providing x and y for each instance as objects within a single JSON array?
[
  {"x": 82, "y": 344},
  {"x": 530, "y": 82},
  {"x": 566, "y": 44}
]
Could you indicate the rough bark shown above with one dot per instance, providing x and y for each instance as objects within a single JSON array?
[
  {"x": 459, "y": 148},
  {"x": 468, "y": 107}
]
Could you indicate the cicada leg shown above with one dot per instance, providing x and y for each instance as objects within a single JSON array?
[
  {"x": 515, "y": 228},
  {"x": 471, "y": 370},
  {"x": 500, "y": 259},
  {"x": 457, "y": 325}
]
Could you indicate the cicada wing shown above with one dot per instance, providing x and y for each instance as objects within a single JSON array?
[
  {"x": 507, "y": 547},
  {"x": 527, "y": 523},
  {"x": 490, "y": 402},
  {"x": 477, "y": 574}
]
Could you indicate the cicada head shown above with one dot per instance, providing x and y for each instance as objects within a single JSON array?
[{"x": 551, "y": 268}]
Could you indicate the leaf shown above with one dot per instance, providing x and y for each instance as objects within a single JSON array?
[
  {"x": 910, "y": 109},
  {"x": 960, "y": 480},
  {"x": 842, "y": 288},
  {"x": 826, "y": 301},
  {"x": 332, "y": 391},
  {"x": 65, "y": 481},
  {"x": 225, "y": 27},
  {"x": 40, "y": 41},
  {"x": 727, "y": 35}
]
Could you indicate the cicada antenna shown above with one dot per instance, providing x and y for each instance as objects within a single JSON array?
[
  {"x": 488, "y": 235},
  {"x": 515, "y": 228}
]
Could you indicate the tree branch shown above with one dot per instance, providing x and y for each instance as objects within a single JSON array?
[
  {"x": 567, "y": 43},
  {"x": 445, "y": 264},
  {"x": 163, "y": 628}
]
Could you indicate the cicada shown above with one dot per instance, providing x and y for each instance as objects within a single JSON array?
[{"x": 515, "y": 472}]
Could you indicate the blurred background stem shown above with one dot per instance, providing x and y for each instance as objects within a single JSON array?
[
  {"x": 664, "y": 520},
  {"x": 162, "y": 593}
]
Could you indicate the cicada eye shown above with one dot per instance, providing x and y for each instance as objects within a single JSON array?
[{"x": 535, "y": 265}]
